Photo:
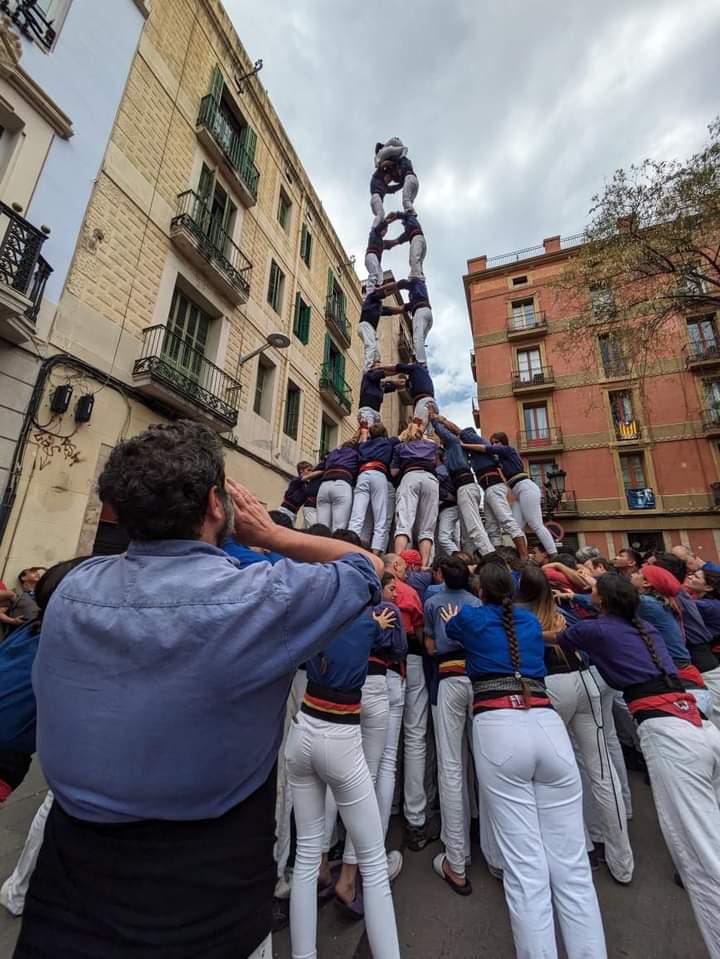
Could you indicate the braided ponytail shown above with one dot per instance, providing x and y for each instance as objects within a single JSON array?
[
  {"x": 509, "y": 627},
  {"x": 645, "y": 636}
]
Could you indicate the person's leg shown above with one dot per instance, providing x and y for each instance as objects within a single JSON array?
[
  {"x": 15, "y": 887},
  {"x": 415, "y": 729},
  {"x": 683, "y": 763},
  {"x": 505, "y": 759},
  {"x": 361, "y": 499},
  {"x": 410, "y": 192},
  {"x": 426, "y": 515},
  {"x": 343, "y": 504},
  {"x": 469, "y": 499},
  {"x": 558, "y": 798},
  {"x": 324, "y": 505},
  {"x": 369, "y": 341},
  {"x": 378, "y": 499},
  {"x": 374, "y": 272},
  {"x": 376, "y": 205},
  {"x": 416, "y": 255},
  {"x": 497, "y": 501},
  {"x": 308, "y": 790},
  {"x": 604, "y": 783},
  {"x": 310, "y": 516},
  {"x": 447, "y": 530},
  {"x": 421, "y": 324},
  {"x": 607, "y": 698},
  {"x": 283, "y": 809},
  {"x": 407, "y": 499},
  {"x": 454, "y": 698},
  {"x": 387, "y": 772},
  {"x": 529, "y": 499},
  {"x": 491, "y": 521}
]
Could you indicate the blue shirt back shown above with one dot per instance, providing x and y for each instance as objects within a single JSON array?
[
  {"x": 419, "y": 380},
  {"x": 17, "y": 699},
  {"x": 434, "y": 625},
  {"x": 373, "y": 390},
  {"x": 380, "y": 449},
  {"x": 481, "y": 632},
  {"x": 417, "y": 292},
  {"x": 416, "y": 453},
  {"x": 653, "y": 611},
  {"x": 162, "y": 674},
  {"x": 456, "y": 457},
  {"x": 481, "y": 462},
  {"x": 510, "y": 460},
  {"x": 344, "y": 663}
]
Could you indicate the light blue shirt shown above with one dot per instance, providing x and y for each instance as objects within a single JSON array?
[
  {"x": 434, "y": 625},
  {"x": 162, "y": 674}
]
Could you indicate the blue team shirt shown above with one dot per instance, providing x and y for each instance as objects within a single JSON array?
[
  {"x": 481, "y": 462},
  {"x": 456, "y": 457},
  {"x": 373, "y": 390},
  {"x": 380, "y": 449},
  {"x": 344, "y": 663},
  {"x": 417, "y": 292},
  {"x": 419, "y": 380},
  {"x": 510, "y": 460},
  {"x": 480, "y": 631}
]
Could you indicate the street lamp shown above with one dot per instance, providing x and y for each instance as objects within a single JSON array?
[
  {"x": 555, "y": 486},
  {"x": 278, "y": 340}
]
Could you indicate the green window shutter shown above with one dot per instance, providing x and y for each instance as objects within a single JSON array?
[
  {"x": 340, "y": 370},
  {"x": 248, "y": 140},
  {"x": 308, "y": 253},
  {"x": 328, "y": 346},
  {"x": 331, "y": 283},
  {"x": 216, "y": 83},
  {"x": 306, "y": 324},
  {"x": 272, "y": 284},
  {"x": 205, "y": 186},
  {"x": 296, "y": 316}
]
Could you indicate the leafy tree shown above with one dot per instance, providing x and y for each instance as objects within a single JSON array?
[{"x": 651, "y": 252}]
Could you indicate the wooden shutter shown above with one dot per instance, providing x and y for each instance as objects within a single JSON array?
[
  {"x": 331, "y": 283},
  {"x": 248, "y": 139},
  {"x": 328, "y": 344},
  {"x": 340, "y": 371},
  {"x": 296, "y": 316},
  {"x": 216, "y": 84}
]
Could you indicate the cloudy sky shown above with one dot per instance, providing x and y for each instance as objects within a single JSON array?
[{"x": 515, "y": 112}]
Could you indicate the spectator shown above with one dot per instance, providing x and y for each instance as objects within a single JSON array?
[
  {"x": 25, "y": 609},
  {"x": 627, "y": 562}
]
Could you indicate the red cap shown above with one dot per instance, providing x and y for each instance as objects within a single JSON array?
[
  {"x": 411, "y": 557},
  {"x": 661, "y": 580}
]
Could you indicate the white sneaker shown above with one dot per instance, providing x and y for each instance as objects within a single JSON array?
[
  {"x": 395, "y": 864},
  {"x": 12, "y": 905}
]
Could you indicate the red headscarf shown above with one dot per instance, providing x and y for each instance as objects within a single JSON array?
[{"x": 667, "y": 586}]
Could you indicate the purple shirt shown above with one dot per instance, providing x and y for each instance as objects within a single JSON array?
[
  {"x": 617, "y": 649},
  {"x": 343, "y": 458},
  {"x": 710, "y": 611},
  {"x": 420, "y": 453},
  {"x": 381, "y": 449}
]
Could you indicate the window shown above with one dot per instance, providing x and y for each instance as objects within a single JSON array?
[
  {"x": 306, "y": 241},
  {"x": 217, "y": 212},
  {"x": 702, "y": 334},
  {"x": 535, "y": 417},
  {"x": 538, "y": 471},
  {"x": 301, "y": 319},
  {"x": 292, "y": 411},
  {"x": 276, "y": 286},
  {"x": 284, "y": 208},
  {"x": 519, "y": 280},
  {"x": 611, "y": 354},
  {"x": 328, "y": 435},
  {"x": 230, "y": 130},
  {"x": 40, "y": 20},
  {"x": 602, "y": 301},
  {"x": 623, "y": 415},
  {"x": 334, "y": 363},
  {"x": 712, "y": 397},
  {"x": 529, "y": 366},
  {"x": 187, "y": 334},
  {"x": 262, "y": 404},
  {"x": 523, "y": 314},
  {"x": 633, "y": 470}
]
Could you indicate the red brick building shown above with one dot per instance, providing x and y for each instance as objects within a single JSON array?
[{"x": 640, "y": 465}]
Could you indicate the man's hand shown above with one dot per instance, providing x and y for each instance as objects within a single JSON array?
[
  {"x": 385, "y": 618},
  {"x": 253, "y": 526},
  {"x": 449, "y": 612}
]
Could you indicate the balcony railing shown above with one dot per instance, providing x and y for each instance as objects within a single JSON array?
[
  {"x": 702, "y": 354},
  {"x": 628, "y": 431},
  {"x": 169, "y": 360},
  {"x": 336, "y": 318},
  {"x": 711, "y": 420},
  {"x": 566, "y": 507},
  {"x": 336, "y": 386},
  {"x": 536, "y": 378},
  {"x": 542, "y": 437},
  {"x": 22, "y": 268},
  {"x": 615, "y": 368},
  {"x": 525, "y": 324},
  {"x": 212, "y": 242},
  {"x": 31, "y": 21},
  {"x": 226, "y": 136}
]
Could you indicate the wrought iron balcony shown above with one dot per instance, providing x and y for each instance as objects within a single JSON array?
[
  {"x": 172, "y": 370},
  {"x": 336, "y": 319},
  {"x": 406, "y": 348},
  {"x": 628, "y": 432},
  {"x": 615, "y": 369},
  {"x": 335, "y": 389},
  {"x": 526, "y": 325},
  {"x": 539, "y": 378},
  {"x": 701, "y": 356},
  {"x": 220, "y": 134},
  {"x": 710, "y": 419},
  {"x": 566, "y": 507},
  {"x": 23, "y": 275},
  {"x": 542, "y": 438},
  {"x": 29, "y": 17},
  {"x": 203, "y": 240}
]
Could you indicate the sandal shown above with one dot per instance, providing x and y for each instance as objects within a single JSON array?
[{"x": 438, "y": 865}]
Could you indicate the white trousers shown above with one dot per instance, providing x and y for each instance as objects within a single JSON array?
[
  {"x": 378, "y": 209},
  {"x": 416, "y": 255},
  {"x": 531, "y": 791},
  {"x": 712, "y": 681},
  {"x": 417, "y": 505},
  {"x": 371, "y": 493},
  {"x": 334, "y": 504},
  {"x": 527, "y": 511},
  {"x": 374, "y": 272},
  {"x": 410, "y": 192},
  {"x": 454, "y": 706},
  {"x": 374, "y": 719},
  {"x": 683, "y": 763},
  {"x": 370, "y": 415},
  {"x": 415, "y": 721},
  {"x": 448, "y": 531},
  {"x": 576, "y": 698},
  {"x": 607, "y": 698},
  {"x": 309, "y": 516},
  {"x": 498, "y": 515},
  {"x": 387, "y": 773},
  {"x": 320, "y": 753},
  {"x": 422, "y": 322},
  {"x": 371, "y": 354},
  {"x": 283, "y": 805},
  {"x": 470, "y": 504},
  {"x": 15, "y": 887}
]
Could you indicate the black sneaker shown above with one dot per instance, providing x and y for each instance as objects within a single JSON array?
[{"x": 417, "y": 837}]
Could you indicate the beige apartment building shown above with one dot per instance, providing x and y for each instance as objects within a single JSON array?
[{"x": 207, "y": 282}]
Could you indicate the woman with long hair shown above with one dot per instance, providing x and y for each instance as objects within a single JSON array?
[
  {"x": 527, "y": 775},
  {"x": 577, "y": 697},
  {"x": 413, "y": 462},
  {"x": 681, "y": 749}
]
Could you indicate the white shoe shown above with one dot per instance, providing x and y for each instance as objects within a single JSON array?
[
  {"x": 12, "y": 906},
  {"x": 395, "y": 864}
]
